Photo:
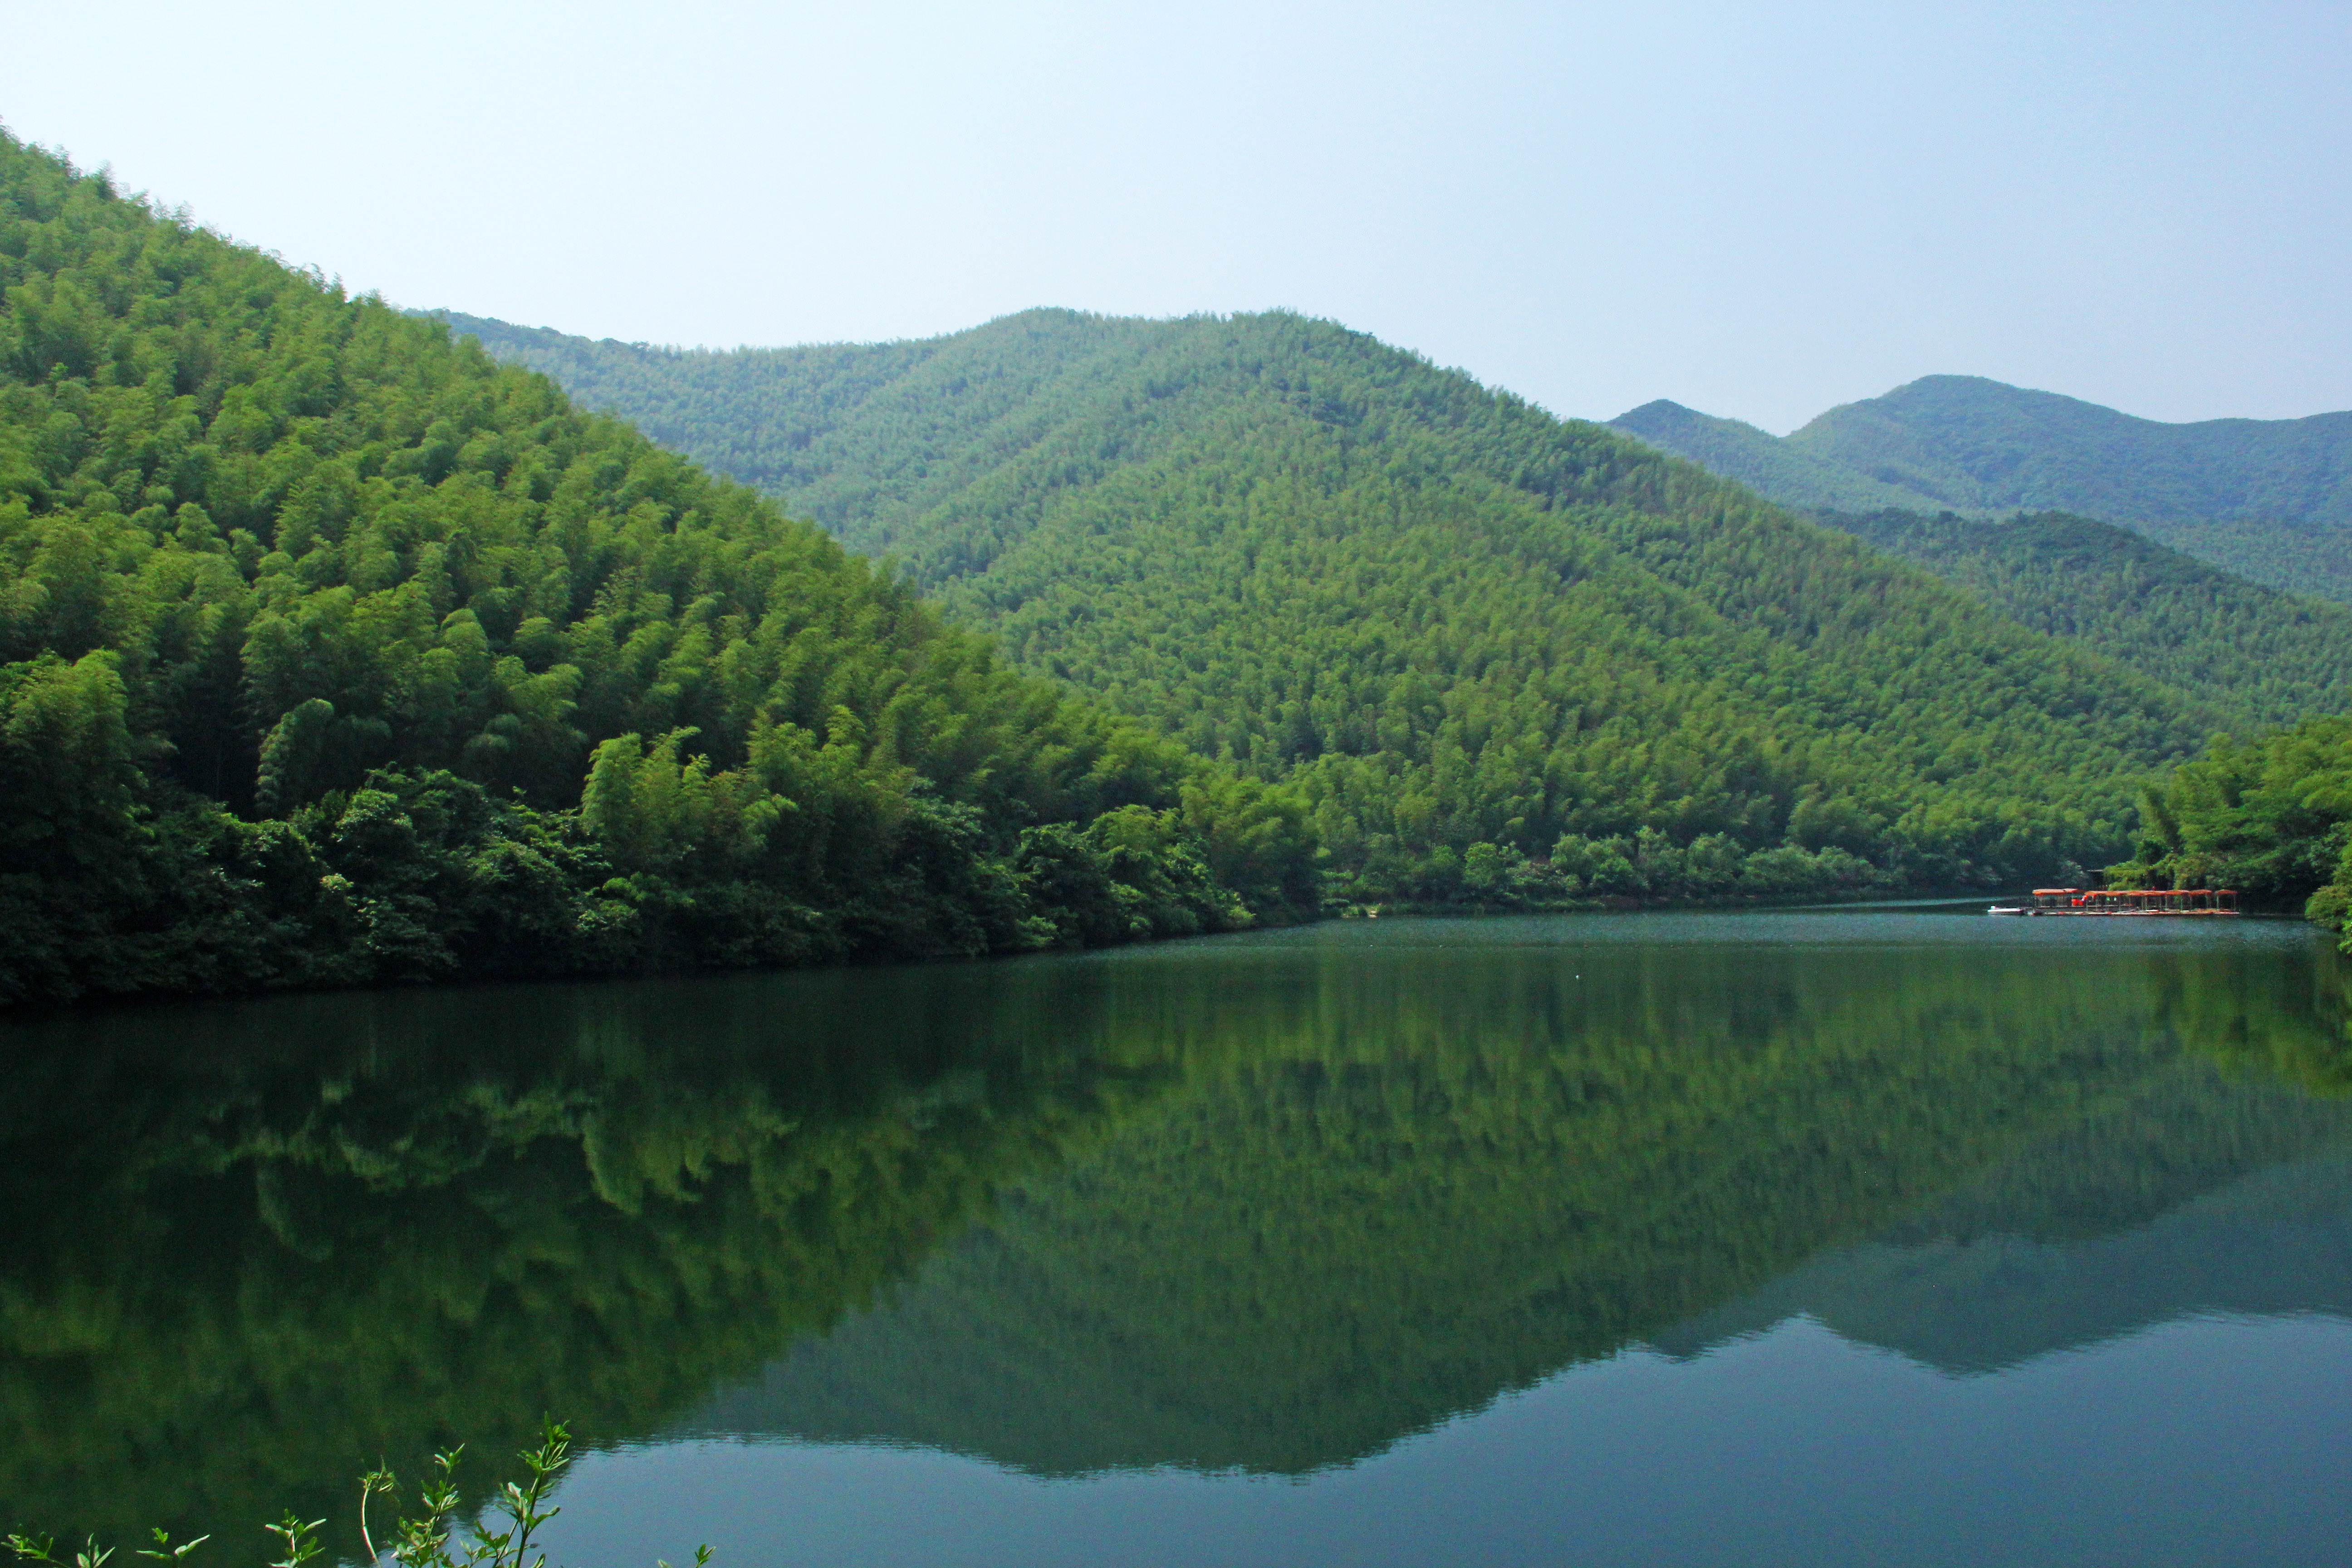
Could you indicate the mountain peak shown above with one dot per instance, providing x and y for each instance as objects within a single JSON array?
[{"x": 2270, "y": 498}]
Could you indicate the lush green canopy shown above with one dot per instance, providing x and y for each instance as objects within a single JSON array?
[
  {"x": 2251, "y": 656},
  {"x": 2271, "y": 817},
  {"x": 312, "y": 624},
  {"x": 1467, "y": 631}
]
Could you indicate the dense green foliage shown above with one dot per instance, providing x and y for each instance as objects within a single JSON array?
[
  {"x": 2310, "y": 558},
  {"x": 2271, "y": 816},
  {"x": 1273, "y": 1204},
  {"x": 312, "y": 624},
  {"x": 2253, "y": 657},
  {"x": 2269, "y": 500},
  {"x": 1504, "y": 658}
]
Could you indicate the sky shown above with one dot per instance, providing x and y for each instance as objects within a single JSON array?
[{"x": 1760, "y": 211}]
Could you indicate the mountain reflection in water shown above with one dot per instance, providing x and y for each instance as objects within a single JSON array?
[{"x": 1266, "y": 1204}]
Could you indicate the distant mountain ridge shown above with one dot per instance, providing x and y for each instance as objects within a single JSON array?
[
  {"x": 2269, "y": 499},
  {"x": 1967, "y": 444},
  {"x": 1765, "y": 463}
]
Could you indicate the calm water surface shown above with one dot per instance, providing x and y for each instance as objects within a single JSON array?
[{"x": 1890, "y": 1237}]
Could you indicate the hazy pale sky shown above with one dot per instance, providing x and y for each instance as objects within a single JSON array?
[{"x": 1757, "y": 210}]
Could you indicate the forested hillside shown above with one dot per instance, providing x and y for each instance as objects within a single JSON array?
[
  {"x": 1502, "y": 655},
  {"x": 1965, "y": 441},
  {"x": 2271, "y": 816},
  {"x": 330, "y": 651},
  {"x": 2269, "y": 500},
  {"x": 2304, "y": 558},
  {"x": 2254, "y": 656}
]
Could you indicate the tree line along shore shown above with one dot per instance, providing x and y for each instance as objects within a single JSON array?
[{"x": 336, "y": 649}]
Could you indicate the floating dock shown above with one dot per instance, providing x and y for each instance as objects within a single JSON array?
[{"x": 2112, "y": 901}]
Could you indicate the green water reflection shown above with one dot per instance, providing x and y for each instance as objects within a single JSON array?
[{"x": 1270, "y": 1202}]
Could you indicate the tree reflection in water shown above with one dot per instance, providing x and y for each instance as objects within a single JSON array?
[{"x": 1269, "y": 1203}]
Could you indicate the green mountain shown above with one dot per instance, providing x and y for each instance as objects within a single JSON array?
[
  {"x": 1966, "y": 442},
  {"x": 331, "y": 651},
  {"x": 2269, "y": 499},
  {"x": 1762, "y": 461},
  {"x": 2253, "y": 654},
  {"x": 1498, "y": 653}
]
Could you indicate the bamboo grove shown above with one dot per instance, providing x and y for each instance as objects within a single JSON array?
[{"x": 331, "y": 651}]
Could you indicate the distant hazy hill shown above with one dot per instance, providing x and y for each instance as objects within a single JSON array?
[
  {"x": 1966, "y": 442},
  {"x": 2270, "y": 498},
  {"x": 1761, "y": 461},
  {"x": 1450, "y": 619}
]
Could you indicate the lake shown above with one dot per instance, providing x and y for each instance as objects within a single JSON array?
[{"x": 1861, "y": 1237}]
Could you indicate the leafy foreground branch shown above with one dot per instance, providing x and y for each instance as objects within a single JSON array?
[{"x": 427, "y": 1540}]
